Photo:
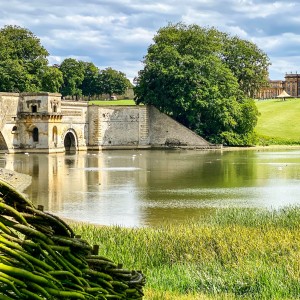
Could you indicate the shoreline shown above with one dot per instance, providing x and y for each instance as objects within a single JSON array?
[
  {"x": 270, "y": 147},
  {"x": 19, "y": 181}
]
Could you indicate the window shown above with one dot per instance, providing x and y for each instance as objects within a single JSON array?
[
  {"x": 33, "y": 108},
  {"x": 35, "y": 134},
  {"x": 54, "y": 135}
]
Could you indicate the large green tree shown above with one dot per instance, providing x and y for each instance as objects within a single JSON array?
[
  {"x": 22, "y": 60},
  {"x": 248, "y": 63},
  {"x": 89, "y": 83},
  {"x": 73, "y": 75},
  {"x": 52, "y": 79},
  {"x": 111, "y": 82},
  {"x": 186, "y": 76}
]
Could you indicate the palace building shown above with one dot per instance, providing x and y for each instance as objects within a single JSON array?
[{"x": 291, "y": 85}]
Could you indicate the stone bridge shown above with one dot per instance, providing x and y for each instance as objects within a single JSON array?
[{"x": 43, "y": 122}]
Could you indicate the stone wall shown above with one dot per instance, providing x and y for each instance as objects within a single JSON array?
[
  {"x": 42, "y": 122},
  {"x": 113, "y": 127},
  {"x": 166, "y": 132},
  {"x": 9, "y": 104}
]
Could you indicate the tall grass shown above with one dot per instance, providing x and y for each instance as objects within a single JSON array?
[{"x": 248, "y": 254}]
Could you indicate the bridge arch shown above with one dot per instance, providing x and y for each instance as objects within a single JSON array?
[
  {"x": 70, "y": 140},
  {"x": 3, "y": 144}
]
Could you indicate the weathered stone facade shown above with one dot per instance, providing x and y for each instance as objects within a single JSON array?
[
  {"x": 42, "y": 122},
  {"x": 274, "y": 88},
  {"x": 291, "y": 85}
]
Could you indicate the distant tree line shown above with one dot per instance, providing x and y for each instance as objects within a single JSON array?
[{"x": 24, "y": 68}]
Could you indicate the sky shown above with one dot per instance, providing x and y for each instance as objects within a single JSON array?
[{"x": 117, "y": 33}]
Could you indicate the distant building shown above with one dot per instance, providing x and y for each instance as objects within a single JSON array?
[
  {"x": 274, "y": 88},
  {"x": 291, "y": 85}
]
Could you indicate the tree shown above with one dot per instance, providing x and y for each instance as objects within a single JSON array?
[
  {"x": 22, "y": 60},
  {"x": 112, "y": 82},
  {"x": 13, "y": 77},
  {"x": 185, "y": 76},
  {"x": 88, "y": 85},
  {"x": 247, "y": 62},
  {"x": 52, "y": 79},
  {"x": 73, "y": 75}
]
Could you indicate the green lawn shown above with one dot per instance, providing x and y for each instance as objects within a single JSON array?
[
  {"x": 112, "y": 102},
  {"x": 278, "y": 122}
]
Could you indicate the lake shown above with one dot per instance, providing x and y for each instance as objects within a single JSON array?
[{"x": 147, "y": 187}]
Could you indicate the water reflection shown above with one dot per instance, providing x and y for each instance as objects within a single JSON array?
[{"x": 136, "y": 188}]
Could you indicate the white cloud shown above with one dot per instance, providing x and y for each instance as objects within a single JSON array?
[
  {"x": 283, "y": 65},
  {"x": 117, "y": 33},
  {"x": 258, "y": 9}
]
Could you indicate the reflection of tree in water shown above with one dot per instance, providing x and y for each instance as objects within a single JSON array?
[
  {"x": 193, "y": 176},
  {"x": 189, "y": 169}
]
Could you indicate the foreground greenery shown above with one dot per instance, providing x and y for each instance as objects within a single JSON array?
[
  {"x": 236, "y": 254},
  {"x": 278, "y": 121}
]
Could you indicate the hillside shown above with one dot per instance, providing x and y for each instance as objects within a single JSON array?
[{"x": 279, "y": 121}]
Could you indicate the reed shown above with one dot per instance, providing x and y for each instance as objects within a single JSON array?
[{"x": 237, "y": 253}]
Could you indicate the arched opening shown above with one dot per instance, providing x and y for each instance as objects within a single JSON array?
[
  {"x": 14, "y": 129},
  {"x": 35, "y": 134},
  {"x": 54, "y": 108},
  {"x": 70, "y": 142},
  {"x": 3, "y": 145},
  {"x": 54, "y": 136}
]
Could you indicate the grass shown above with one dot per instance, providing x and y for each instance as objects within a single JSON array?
[
  {"x": 112, "y": 102},
  {"x": 278, "y": 122},
  {"x": 236, "y": 254}
]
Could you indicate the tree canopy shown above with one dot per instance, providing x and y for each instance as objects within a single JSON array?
[
  {"x": 111, "y": 82},
  {"x": 89, "y": 83},
  {"x": 73, "y": 75},
  {"x": 22, "y": 60},
  {"x": 52, "y": 79},
  {"x": 190, "y": 74},
  {"x": 24, "y": 68}
]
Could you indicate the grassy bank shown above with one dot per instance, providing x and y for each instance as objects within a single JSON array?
[
  {"x": 278, "y": 121},
  {"x": 237, "y": 254}
]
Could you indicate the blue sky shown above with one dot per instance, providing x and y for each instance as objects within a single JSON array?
[{"x": 117, "y": 33}]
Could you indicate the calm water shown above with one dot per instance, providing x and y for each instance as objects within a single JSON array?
[{"x": 136, "y": 188}]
